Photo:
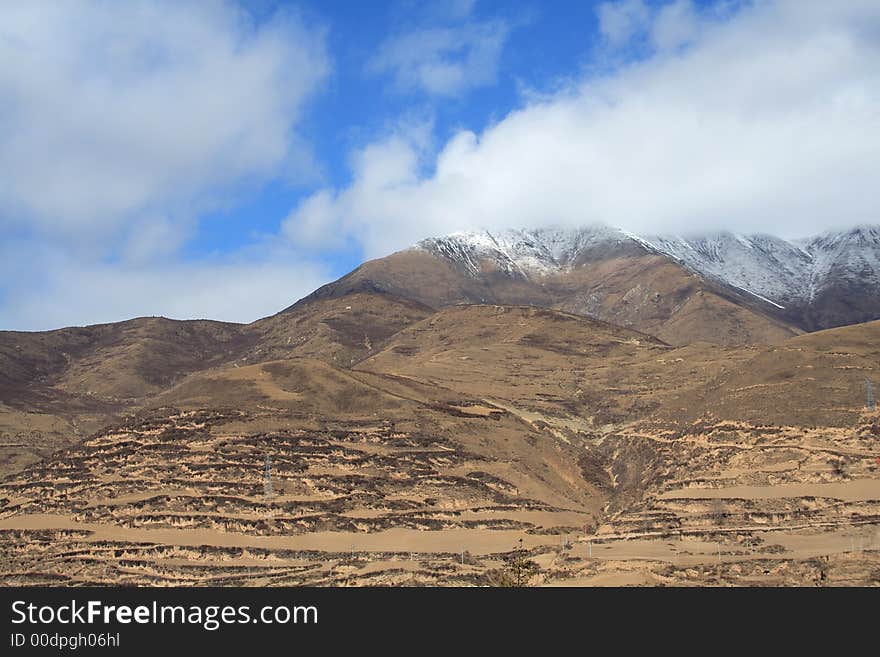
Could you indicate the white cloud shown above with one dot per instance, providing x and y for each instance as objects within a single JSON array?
[
  {"x": 461, "y": 8},
  {"x": 443, "y": 61},
  {"x": 65, "y": 291},
  {"x": 768, "y": 119},
  {"x": 321, "y": 221},
  {"x": 676, "y": 24},
  {"x": 110, "y": 112},
  {"x": 621, "y": 21},
  {"x": 121, "y": 123},
  {"x": 318, "y": 223}
]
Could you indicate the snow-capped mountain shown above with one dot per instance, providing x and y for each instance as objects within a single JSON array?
[
  {"x": 767, "y": 267},
  {"x": 722, "y": 287},
  {"x": 853, "y": 255},
  {"x": 538, "y": 251},
  {"x": 774, "y": 270}
]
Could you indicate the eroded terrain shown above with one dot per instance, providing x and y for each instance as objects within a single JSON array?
[
  {"x": 184, "y": 500},
  {"x": 602, "y": 455}
]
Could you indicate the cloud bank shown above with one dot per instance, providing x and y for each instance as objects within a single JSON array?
[
  {"x": 68, "y": 292},
  {"x": 119, "y": 124},
  {"x": 762, "y": 117}
]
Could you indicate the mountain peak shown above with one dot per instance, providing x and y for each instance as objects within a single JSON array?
[
  {"x": 523, "y": 252},
  {"x": 772, "y": 269}
]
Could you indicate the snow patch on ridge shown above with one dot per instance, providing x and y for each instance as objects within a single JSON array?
[{"x": 774, "y": 270}]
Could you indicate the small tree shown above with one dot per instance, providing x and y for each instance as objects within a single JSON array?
[{"x": 517, "y": 570}]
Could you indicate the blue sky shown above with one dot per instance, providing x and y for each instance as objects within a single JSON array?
[
  {"x": 545, "y": 44},
  {"x": 221, "y": 160}
]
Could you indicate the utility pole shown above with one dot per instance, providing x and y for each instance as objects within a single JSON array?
[
  {"x": 870, "y": 402},
  {"x": 267, "y": 477}
]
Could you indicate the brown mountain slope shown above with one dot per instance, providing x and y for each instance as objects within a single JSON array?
[
  {"x": 593, "y": 376},
  {"x": 816, "y": 379},
  {"x": 472, "y": 429},
  {"x": 131, "y": 360},
  {"x": 341, "y": 331},
  {"x": 628, "y": 286},
  {"x": 575, "y": 373},
  {"x": 117, "y": 361},
  {"x": 360, "y": 464},
  {"x": 654, "y": 295},
  {"x": 69, "y": 381},
  {"x": 59, "y": 386}
]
